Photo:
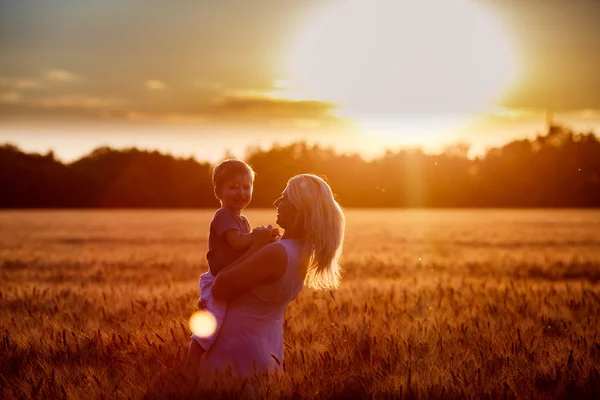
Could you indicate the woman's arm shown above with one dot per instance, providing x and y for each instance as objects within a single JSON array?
[
  {"x": 255, "y": 267},
  {"x": 259, "y": 239}
]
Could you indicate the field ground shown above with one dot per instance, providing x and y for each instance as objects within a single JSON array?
[{"x": 434, "y": 304}]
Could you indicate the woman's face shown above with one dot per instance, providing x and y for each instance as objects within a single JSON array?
[{"x": 286, "y": 212}]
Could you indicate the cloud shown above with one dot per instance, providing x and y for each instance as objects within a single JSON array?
[
  {"x": 60, "y": 75},
  {"x": 153, "y": 84},
  {"x": 169, "y": 117},
  {"x": 237, "y": 107},
  {"x": 41, "y": 82},
  {"x": 67, "y": 107},
  {"x": 27, "y": 84},
  {"x": 74, "y": 102},
  {"x": 19, "y": 83},
  {"x": 254, "y": 108},
  {"x": 10, "y": 97},
  {"x": 246, "y": 107},
  {"x": 264, "y": 110},
  {"x": 270, "y": 107}
]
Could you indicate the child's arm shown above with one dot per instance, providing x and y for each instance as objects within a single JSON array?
[
  {"x": 258, "y": 236},
  {"x": 238, "y": 240}
]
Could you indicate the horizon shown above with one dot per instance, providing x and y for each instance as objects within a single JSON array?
[
  {"x": 471, "y": 155},
  {"x": 559, "y": 169}
]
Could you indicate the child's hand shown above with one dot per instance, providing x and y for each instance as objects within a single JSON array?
[
  {"x": 274, "y": 233},
  {"x": 262, "y": 235},
  {"x": 201, "y": 304}
]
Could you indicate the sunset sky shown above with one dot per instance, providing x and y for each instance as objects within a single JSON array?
[{"x": 203, "y": 77}]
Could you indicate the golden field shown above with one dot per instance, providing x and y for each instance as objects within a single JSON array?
[{"x": 434, "y": 304}]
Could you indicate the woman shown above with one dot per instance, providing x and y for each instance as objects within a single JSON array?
[{"x": 259, "y": 286}]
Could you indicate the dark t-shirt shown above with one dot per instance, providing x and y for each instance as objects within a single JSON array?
[{"x": 220, "y": 253}]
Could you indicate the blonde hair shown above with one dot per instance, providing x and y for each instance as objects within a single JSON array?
[
  {"x": 323, "y": 224},
  {"x": 228, "y": 169}
]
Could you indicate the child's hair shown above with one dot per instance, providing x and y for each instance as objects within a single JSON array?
[
  {"x": 229, "y": 169},
  {"x": 324, "y": 225}
]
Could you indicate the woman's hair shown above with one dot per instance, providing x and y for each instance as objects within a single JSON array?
[{"x": 323, "y": 224}]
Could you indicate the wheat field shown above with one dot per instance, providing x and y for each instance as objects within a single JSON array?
[{"x": 433, "y": 304}]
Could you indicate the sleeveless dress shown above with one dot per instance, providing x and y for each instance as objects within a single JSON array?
[{"x": 252, "y": 330}]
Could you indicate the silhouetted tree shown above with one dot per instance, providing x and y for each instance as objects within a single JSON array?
[
  {"x": 134, "y": 178},
  {"x": 33, "y": 180},
  {"x": 558, "y": 169}
]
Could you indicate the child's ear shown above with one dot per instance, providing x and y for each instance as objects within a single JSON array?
[{"x": 217, "y": 194}]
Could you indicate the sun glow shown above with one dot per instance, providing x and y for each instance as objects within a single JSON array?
[{"x": 407, "y": 70}]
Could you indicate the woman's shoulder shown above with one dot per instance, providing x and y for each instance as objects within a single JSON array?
[
  {"x": 283, "y": 258},
  {"x": 276, "y": 250},
  {"x": 289, "y": 245},
  {"x": 272, "y": 259},
  {"x": 291, "y": 251}
]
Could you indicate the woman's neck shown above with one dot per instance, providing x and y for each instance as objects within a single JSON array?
[{"x": 292, "y": 234}]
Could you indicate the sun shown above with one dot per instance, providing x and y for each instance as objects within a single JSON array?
[{"x": 403, "y": 67}]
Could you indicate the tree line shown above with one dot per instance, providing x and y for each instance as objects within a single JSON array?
[{"x": 560, "y": 168}]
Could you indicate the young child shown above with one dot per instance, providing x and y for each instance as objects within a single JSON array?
[{"x": 229, "y": 237}]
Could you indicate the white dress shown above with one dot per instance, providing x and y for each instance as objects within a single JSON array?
[
  {"x": 217, "y": 308},
  {"x": 252, "y": 331}
]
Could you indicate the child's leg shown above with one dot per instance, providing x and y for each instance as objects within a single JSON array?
[{"x": 195, "y": 352}]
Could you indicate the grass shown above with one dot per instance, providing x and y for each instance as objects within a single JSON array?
[{"x": 434, "y": 304}]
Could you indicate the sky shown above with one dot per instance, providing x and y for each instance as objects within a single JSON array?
[{"x": 205, "y": 78}]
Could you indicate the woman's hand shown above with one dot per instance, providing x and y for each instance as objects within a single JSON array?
[{"x": 262, "y": 235}]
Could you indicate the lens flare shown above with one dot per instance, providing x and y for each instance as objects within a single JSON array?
[{"x": 203, "y": 323}]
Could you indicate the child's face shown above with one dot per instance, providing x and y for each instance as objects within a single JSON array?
[{"x": 235, "y": 194}]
